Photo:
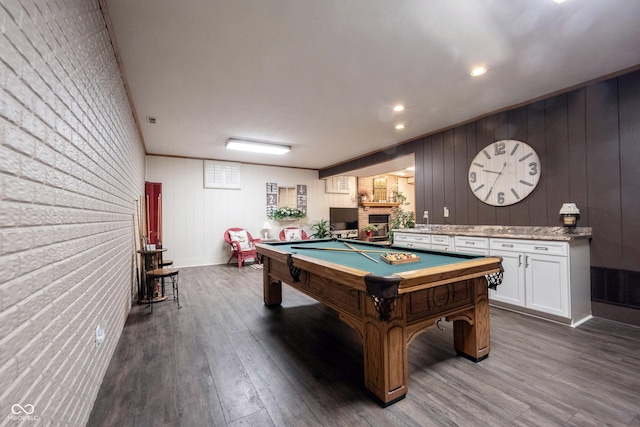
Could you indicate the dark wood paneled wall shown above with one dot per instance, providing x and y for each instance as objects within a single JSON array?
[
  {"x": 629, "y": 128},
  {"x": 588, "y": 141}
]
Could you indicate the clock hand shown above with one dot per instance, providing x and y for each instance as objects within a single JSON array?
[
  {"x": 493, "y": 172},
  {"x": 496, "y": 180}
]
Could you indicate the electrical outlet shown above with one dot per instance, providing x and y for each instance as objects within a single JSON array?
[
  {"x": 100, "y": 335},
  {"x": 446, "y": 212}
]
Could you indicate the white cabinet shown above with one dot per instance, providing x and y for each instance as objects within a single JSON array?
[
  {"x": 544, "y": 277},
  {"x": 532, "y": 278}
]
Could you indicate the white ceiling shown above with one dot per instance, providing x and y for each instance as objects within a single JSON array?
[{"x": 323, "y": 75}]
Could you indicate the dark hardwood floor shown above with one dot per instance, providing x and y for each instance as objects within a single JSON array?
[{"x": 225, "y": 359}]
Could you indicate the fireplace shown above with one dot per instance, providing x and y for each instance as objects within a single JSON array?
[{"x": 382, "y": 222}]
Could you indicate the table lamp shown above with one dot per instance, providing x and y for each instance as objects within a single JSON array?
[
  {"x": 266, "y": 227},
  {"x": 570, "y": 214}
]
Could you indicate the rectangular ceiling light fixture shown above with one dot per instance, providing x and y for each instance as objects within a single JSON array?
[{"x": 256, "y": 146}]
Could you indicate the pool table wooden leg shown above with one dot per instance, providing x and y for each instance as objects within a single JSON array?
[
  {"x": 272, "y": 289},
  {"x": 385, "y": 354},
  {"x": 471, "y": 335}
]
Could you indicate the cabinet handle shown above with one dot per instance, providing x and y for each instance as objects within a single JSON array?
[
  {"x": 526, "y": 261},
  {"x": 541, "y": 248},
  {"x": 470, "y": 243},
  {"x": 519, "y": 260},
  {"x": 507, "y": 245}
]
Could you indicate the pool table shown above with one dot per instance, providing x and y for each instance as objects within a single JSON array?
[{"x": 389, "y": 305}]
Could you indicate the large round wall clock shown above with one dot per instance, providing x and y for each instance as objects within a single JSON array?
[{"x": 504, "y": 173}]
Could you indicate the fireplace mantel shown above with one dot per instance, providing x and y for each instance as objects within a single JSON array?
[{"x": 380, "y": 204}]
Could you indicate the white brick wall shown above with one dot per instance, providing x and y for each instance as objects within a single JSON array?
[{"x": 71, "y": 166}]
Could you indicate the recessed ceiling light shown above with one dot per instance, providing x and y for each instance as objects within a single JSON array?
[
  {"x": 398, "y": 107},
  {"x": 478, "y": 71},
  {"x": 399, "y": 126},
  {"x": 558, "y": 1},
  {"x": 256, "y": 147}
]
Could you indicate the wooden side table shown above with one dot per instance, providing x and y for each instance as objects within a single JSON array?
[{"x": 150, "y": 262}]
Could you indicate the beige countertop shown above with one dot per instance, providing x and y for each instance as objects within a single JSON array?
[{"x": 502, "y": 231}]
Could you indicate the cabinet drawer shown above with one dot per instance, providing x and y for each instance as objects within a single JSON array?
[
  {"x": 440, "y": 240},
  {"x": 530, "y": 246},
  {"x": 470, "y": 242},
  {"x": 404, "y": 238}
]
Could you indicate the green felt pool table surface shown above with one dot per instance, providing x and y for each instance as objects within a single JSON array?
[{"x": 428, "y": 259}]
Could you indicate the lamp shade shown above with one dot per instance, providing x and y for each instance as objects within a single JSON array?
[
  {"x": 569, "y": 209},
  {"x": 266, "y": 225}
]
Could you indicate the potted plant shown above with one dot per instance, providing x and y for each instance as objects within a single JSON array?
[
  {"x": 321, "y": 229},
  {"x": 401, "y": 218},
  {"x": 364, "y": 195},
  {"x": 369, "y": 229}
]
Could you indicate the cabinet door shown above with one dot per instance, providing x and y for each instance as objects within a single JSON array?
[
  {"x": 547, "y": 280},
  {"x": 511, "y": 290}
]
